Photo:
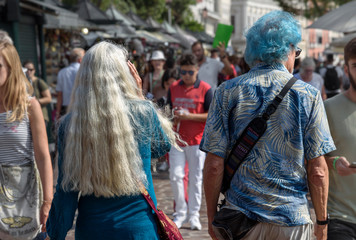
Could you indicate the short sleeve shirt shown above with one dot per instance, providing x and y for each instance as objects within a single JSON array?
[
  {"x": 317, "y": 81},
  {"x": 271, "y": 183},
  {"x": 209, "y": 72},
  {"x": 195, "y": 99},
  {"x": 65, "y": 81},
  {"x": 341, "y": 114}
]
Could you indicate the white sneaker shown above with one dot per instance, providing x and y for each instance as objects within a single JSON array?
[
  {"x": 179, "y": 221},
  {"x": 195, "y": 223}
]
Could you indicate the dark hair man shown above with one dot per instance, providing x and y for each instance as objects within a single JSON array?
[
  {"x": 332, "y": 77},
  {"x": 190, "y": 99},
  {"x": 210, "y": 68},
  {"x": 341, "y": 112}
]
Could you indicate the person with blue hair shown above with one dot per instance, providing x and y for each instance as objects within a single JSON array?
[{"x": 267, "y": 193}]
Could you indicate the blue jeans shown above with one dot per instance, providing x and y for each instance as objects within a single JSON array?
[
  {"x": 41, "y": 236},
  {"x": 341, "y": 230}
]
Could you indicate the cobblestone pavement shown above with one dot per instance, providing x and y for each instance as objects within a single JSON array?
[{"x": 165, "y": 202}]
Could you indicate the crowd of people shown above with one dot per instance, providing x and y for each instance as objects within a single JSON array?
[{"x": 112, "y": 122}]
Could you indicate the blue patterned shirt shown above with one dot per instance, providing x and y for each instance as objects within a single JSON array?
[{"x": 271, "y": 184}]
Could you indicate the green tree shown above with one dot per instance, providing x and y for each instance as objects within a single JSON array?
[
  {"x": 182, "y": 15},
  {"x": 312, "y": 8}
]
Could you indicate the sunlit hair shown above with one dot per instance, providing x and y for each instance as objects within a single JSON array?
[
  {"x": 5, "y": 38},
  {"x": 101, "y": 155},
  {"x": 270, "y": 39},
  {"x": 17, "y": 88}
]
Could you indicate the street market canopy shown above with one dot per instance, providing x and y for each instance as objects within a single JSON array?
[
  {"x": 341, "y": 42},
  {"x": 115, "y": 14},
  {"x": 342, "y": 19},
  {"x": 120, "y": 31},
  {"x": 59, "y": 18},
  {"x": 139, "y": 22},
  {"x": 89, "y": 12},
  {"x": 152, "y": 24},
  {"x": 150, "y": 38}
]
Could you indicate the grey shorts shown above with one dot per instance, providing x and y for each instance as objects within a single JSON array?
[{"x": 267, "y": 231}]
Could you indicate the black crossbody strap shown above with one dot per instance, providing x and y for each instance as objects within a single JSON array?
[{"x": 250, "y": 136}]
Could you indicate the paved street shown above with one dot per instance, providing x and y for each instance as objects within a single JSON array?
[{"x": 165, "y": 202}]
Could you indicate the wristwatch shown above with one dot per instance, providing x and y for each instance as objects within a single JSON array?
[{"x": 323, "y": 222}]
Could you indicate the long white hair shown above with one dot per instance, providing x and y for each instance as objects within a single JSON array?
[{"x": 101, "y": 156}]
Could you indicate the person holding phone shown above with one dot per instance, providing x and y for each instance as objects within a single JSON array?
[
  {"x": 341, "y": 112},
  {"x": 189, "y": 98}
]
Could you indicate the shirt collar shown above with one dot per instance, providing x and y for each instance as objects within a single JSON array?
[
  {"x": 265, "y": 66},
  {"x": 196, "y": 84}
]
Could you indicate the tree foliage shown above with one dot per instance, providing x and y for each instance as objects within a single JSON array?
[{"x": 311, "y": 9}]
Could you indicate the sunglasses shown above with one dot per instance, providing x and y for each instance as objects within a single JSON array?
[
  {"x": 30, "y": 69},
  {"x": 298, "y": 51},
  {"x": 183, "y": 72}
]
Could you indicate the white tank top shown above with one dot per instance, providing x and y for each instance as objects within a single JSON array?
[{"x": 16, "y": 147}]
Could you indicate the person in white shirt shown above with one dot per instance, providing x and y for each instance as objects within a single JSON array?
[
  {"x": 210, "y": 68},
  {"x": 65, "y": 81},
  {"x": 307, "y": 74}
]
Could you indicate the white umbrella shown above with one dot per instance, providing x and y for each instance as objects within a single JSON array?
[{"x": 342, "y": 19}]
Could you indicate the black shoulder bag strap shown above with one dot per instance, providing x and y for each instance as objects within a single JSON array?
[{"x": 250, "y": 136}]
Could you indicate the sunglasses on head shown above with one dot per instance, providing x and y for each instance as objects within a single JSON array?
[{"x": 183, "y": 72}]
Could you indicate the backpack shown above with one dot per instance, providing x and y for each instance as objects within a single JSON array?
[{"x": 331, "y": 79}]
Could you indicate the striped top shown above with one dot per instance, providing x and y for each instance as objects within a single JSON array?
[{"x": 16, "y": 147}]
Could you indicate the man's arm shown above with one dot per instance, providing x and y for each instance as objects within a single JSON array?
[
  {"x": 227, "y": 70},
  {"x": 197, "y": 117},
  {"x": 318, "y": 179},
  {"x": 213, "y": 175}
]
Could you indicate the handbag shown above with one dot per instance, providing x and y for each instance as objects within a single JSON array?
[
  {"x": 167, "y": 229},
  {"x": 230, "y": 223},
  {"x": 20, "y": 201}
]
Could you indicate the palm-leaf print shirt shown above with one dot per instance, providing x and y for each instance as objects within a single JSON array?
[{"x": 271, "y": 183}]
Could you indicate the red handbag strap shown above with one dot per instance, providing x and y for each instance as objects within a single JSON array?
[{"x": 148, "y": 197}]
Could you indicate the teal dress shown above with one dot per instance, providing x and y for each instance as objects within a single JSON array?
[{"x": 125, "y": 217}]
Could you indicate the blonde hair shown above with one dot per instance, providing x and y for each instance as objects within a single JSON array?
[
  {"x": 101, "y": 155},
  {"x": 17, "y": 87}
]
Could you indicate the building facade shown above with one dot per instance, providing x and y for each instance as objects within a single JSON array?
[
  {"x": 244, "y": 13},
  {"x": 212, "y": 12}
]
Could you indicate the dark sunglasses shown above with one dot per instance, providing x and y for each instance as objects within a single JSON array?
[
  {"x": 183, "y": 72},
  {"x": 298, "y": 51},
  {"x": 30, "y": 69}
]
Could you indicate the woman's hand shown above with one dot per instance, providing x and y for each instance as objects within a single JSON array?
[
  {"x": 136, "y": 76},
  {"x": 44, "y": 212}
]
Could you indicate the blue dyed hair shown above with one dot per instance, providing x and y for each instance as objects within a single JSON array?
[{"x": 269, "y": 40}]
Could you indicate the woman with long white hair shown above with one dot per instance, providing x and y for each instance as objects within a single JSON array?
[{"x": 105, "y": 146}]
